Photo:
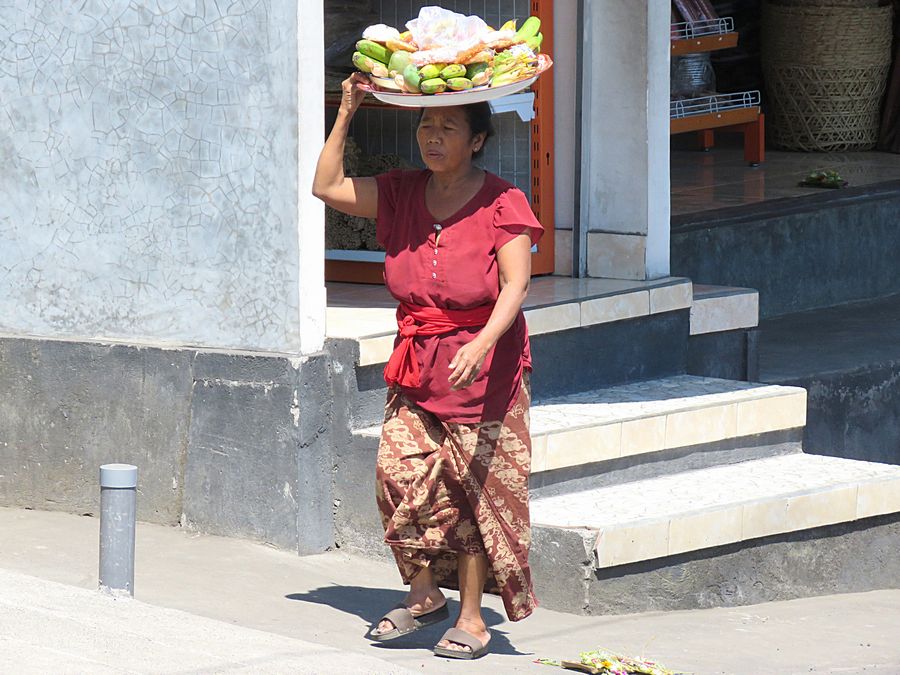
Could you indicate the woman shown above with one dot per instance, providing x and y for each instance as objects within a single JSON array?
[{"x": 455, "y": 452}]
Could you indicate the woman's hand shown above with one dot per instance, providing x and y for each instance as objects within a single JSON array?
[
  {"x": 356, "y": 196},
  {"x": 466, "y": 365},
  {"x": 352, "y": 96}
]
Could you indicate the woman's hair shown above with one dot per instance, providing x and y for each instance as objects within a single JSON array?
[{"x": 479, "y": 117}]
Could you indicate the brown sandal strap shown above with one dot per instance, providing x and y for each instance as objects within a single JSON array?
[
  {"x": 461, "y": 637},
  {"x": 401, "y": 617}
]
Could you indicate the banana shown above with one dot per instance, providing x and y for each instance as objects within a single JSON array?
[
  {"x": 453, "y": 70},
  {"x": 412, "y": 78},
  {"x": 459, "y": 84},
  {"x": 369, "y": 65},
  {"x": 432, "y": 70},
  {"x": 529, "y": 29},
  {"x": 399, "y": 61},
  {"x": 509, "y": 25},
  {"x": 534, "y": 43},
  {"x": 374, "y": 50},
  {"x": 433, "y": 86},
  {"x": 479, "y": 73}
]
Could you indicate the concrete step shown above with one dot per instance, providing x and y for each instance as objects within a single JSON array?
[
  {"x": 623, "y": 432},
  {"x": 612, "y": 436},
  {"x": 723, "y": 308},
  {"x": 594, "y": 332},
  {"x": 688, "y": 531}
]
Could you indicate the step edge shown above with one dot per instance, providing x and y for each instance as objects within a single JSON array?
[{"x": 736, "y": 510}]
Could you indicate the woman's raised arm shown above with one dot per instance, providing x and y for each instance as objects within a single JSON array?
[{"x": 355, "y": 196}]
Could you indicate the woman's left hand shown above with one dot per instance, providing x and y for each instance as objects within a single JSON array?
[{"x": 466, "y": 365}]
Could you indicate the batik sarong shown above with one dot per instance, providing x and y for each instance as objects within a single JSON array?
[{"x": 444, "y": 488}]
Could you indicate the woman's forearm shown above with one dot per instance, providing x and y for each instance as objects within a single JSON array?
[
  {"x": 506, "y": 309},
  {"x": 330, "y": 168}
]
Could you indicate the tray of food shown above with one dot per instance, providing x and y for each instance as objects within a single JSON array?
[{"x": 445, "y": 58}]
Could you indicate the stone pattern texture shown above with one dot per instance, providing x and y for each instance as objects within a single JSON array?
[{"x": 149, "y": 188}]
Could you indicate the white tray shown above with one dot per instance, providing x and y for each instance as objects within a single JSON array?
[{"x": 448, "y": 98}]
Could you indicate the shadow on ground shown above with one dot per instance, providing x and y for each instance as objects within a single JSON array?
[{"x": 370, "y": 604}]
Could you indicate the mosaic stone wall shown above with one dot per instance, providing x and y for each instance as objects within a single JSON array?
[{"x": 148, "y": 171}]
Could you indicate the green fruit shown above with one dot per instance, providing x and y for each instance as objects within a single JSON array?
[
  {"x": 369, "y": 65},
  {"x": 362, "y": 62},
  {"x": 431, "y": 71},
  {"x": 399, "y": 60},
  {"x": 453, "y": 70},
  {"x": 459, "y": 84},
  {"x": 534, "y": 43},
  {"x": 412, "y": 78},
  {"x": 479, "y": 73},
  {"x": 374, "y": 50},
  {"x": 529, "y": 29},
  {"x": 433, "y": 86}
]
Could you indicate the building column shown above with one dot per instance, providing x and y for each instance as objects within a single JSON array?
[
  {"x": 624, "y": 196},
  {"x": 310, "y": 211}
]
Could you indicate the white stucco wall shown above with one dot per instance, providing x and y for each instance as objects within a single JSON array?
[{"x": 149, "y": 172}]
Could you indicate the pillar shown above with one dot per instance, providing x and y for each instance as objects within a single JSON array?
[{"x": 624, "y": 196}]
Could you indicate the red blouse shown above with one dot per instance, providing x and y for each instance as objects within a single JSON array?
[{"x": 457, "y": 270}]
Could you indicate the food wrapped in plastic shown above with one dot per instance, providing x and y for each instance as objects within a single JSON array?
[{"x": 447, "y": 37}]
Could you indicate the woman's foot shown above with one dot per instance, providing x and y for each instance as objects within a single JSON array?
[
  {"x": 474, "y": 627},
  {"x": 419, "y": 603}
]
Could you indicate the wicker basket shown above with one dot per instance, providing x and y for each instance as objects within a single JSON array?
[{"x": 825, "y": 69}]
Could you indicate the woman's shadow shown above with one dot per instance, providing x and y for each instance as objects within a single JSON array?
[{"x": 370, "y": 604}]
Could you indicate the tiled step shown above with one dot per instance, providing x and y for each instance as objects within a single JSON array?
[
  {"x": 654, "y": 416},
  {"x": 723, "y": 308},
  {"x": 367, "y": 313},
  {"x": 693, "y": 510}
]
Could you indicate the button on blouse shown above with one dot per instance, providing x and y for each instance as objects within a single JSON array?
[{"x": 467, "y": 277}]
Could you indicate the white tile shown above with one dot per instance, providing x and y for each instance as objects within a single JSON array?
[
  {"x": 705, "y": 529},
  {"x": 555, "y": 318},
  {"x": 670, "y": 298},
  {"x": 627, "y": 544},
  {"x": 876, "y": 498},
  {"x": 646, "y": 434},
  {"x": 705, "y": 425},
  {"x": 616, "y": 256},
  {"x": 758, "y": 416},
  {"x": 615, "y": 308},
  {"x": 562, "y": 249},
  {"x": 375, "y": 350},
  {"x": 583, "y": 446},
  {"x": 726, "y": 312}
]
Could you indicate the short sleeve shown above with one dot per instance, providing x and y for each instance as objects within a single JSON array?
[
  {"x": 388, "y": 192},
  {"x": 513, "y": 216}
]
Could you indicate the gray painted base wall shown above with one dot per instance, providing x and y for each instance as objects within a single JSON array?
[
  {"x": 235, "y": 444},
  {"x": 799, "y": 253},
  {"x": 819, "y": 561}
]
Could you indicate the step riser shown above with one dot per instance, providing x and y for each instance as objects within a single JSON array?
[
  {"x": 573, "y": 360},
  {"x": 359, "y": 529},
  {"x": 663, "y": 462},
  {"x": 817, "y": 561},
  {"x": 854, "y": 415}
]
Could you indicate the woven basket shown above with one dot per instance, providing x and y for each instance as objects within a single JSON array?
[{"x": 825, "y": 69}]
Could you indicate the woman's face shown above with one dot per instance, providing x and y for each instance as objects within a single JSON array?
[{"x": 445, "y": 139}]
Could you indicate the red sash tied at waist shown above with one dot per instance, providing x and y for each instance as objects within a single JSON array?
[{"x": 413, "y": 320}]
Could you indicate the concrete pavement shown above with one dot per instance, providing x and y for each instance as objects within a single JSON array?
[{"x": 330, "y": 599}]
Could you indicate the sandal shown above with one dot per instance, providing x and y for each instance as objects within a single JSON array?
[
  {"x": 461, "y": 637},
  {"x": 405, "y": 622}
]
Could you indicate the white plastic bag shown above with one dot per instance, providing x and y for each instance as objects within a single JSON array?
[{"x": 444, "y": 36}]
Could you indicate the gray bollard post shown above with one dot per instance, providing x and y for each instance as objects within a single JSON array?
[{"x": 118, "y": 499}]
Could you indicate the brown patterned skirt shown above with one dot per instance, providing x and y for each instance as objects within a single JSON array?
[{"x": 444, "y": 488}]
